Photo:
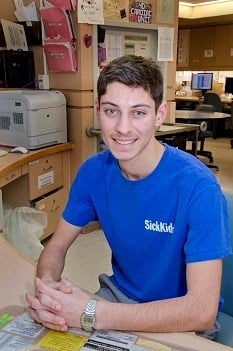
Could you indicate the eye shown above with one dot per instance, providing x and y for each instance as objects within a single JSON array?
[
  {"x": 111, "y": 112},
  {"x": 139, "y": 113}
]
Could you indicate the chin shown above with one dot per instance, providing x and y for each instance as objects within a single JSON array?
[{"x": 123, "y": 156}]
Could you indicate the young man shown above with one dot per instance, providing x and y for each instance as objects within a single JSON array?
[{"x": 162, "y": 212}]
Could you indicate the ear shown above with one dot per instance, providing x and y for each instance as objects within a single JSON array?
[
  {"x": 161, "y": 114},
  {"x": 97, "y": 108}
]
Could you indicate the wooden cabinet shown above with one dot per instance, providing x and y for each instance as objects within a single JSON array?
[
  {"x": 209, "y": 48},
  {"x": 224, "y": 46},
  {"x": 46, "y": 189},
  {"x": 39, "y": 179},
  {"x": 201, "y": 52},
  {"x": 45, "y": 175},
  {"x": 52, "y": 205}
]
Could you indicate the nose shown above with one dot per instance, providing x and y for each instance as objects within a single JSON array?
[{"x": 123, "y": 124}]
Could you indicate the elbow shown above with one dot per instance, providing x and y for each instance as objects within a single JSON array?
[{"x": 206, "y": 320}]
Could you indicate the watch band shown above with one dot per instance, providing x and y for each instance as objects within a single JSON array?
[
  {"x": 90, "y": 308},
  {"x": 88, "y": 316}
]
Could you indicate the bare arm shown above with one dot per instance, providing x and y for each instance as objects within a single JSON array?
[
  {"x": 49, "y": 269},
  {"x": 52, "y": 259},
  {"x": 196, "y": 311}
]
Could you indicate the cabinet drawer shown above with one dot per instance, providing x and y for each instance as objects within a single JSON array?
[
  {"x": 10, "y": 177},
  {"x": 53, "y": 206},
  {"x": 45, "y": 175}
]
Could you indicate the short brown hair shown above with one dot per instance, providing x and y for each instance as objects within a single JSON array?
[{"x": 133, "y": 71}]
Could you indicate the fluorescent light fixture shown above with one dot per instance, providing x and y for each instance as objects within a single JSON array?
[{"x": 202, "y": 3}]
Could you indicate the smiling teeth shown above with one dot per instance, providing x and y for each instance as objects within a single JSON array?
[{"x": 124, "y": 142}]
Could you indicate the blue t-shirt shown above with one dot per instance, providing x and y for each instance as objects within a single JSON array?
[{"x": 156, "y": 225}]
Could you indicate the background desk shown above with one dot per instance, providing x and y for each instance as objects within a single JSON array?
[
  {"x": 40, "y": 178},
  {"x": 177, "y": 135},
  {"x": 193, "y": 116},
  {"x": 193, "y": 101},
  {"x": 186, "y": 115}
]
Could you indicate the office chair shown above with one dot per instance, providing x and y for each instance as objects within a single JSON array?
[
  {"x": 203, "y": 134},
  {"x": 225, "y": 316},
  {"x": 214, "y": 99}
]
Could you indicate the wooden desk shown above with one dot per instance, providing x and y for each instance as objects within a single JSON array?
[
  {"x": 17, "y": 275},
  {"x": 185, "y": 98},
  {"x": 40, "y": 178}
]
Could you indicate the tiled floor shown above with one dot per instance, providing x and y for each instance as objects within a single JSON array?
[
  {"x": 90, "y": 255},
  {"x": 223, "y": 157}
]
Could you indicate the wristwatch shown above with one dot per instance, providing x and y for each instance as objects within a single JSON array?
[{"x": 88, "y": 316}]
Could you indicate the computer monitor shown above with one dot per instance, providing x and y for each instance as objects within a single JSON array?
[
  {"x": 202, "y": 81},
  {"x": 228, "y": 85}
]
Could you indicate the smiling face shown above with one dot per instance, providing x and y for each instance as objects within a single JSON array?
[{"x": 128, "y": 119}]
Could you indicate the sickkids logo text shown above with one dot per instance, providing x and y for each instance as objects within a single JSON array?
[
  {"x": 140, "y": 12},
  {"x": 158, "y": 226}
]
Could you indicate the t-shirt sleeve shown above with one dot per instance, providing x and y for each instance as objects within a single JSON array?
[
  {"x": 79, "y": 209},
  {"x": 208, "y": 233}
]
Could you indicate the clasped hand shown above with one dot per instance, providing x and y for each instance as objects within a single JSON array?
[{"x": 57, "y": 305}]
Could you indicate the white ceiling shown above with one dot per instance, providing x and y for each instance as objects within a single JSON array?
[
  {"x": 206, "y": 11},
  {"x": 195, "y": 2}
]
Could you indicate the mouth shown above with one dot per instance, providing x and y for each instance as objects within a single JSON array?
[{"x": 123, "y": 141}]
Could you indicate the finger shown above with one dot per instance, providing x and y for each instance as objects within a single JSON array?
[
  {"x": 34, "y": 302},
  {"x": 49, "y": 302},
  {"x": 50, "y": 318},
  {"x": 55, "y": 326},
  {"x": 45, "y": 289},
  {"x": 33, "y": 314},
  {"x": 66, "y": 286}
]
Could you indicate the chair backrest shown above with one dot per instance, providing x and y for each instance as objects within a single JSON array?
[
  {"x": 227, "y": 278},
  {"x": 213, "y": 99},
  {"x": 205, "y": 108}
]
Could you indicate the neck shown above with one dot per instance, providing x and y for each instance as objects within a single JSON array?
[{"x": 142, "y": 165}]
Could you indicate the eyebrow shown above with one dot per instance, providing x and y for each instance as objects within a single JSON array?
[{"x": 115, "y": 105}]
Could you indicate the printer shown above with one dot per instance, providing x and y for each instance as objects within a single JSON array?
[{"x": 32, "y": 118}]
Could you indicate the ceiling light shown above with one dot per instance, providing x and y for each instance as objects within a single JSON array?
[{"x": 202, "y": 3}]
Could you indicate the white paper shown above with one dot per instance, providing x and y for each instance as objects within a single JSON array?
[
  {"x": 31, "y": 11},
  {"x": 24, "y": 325},
  {"x": 116, "y": 338},
  {"x": 11, "y": 342},
  {"x": 14, "y": 35},
  {"x": 45, "y": 179},
  {"x": 113, "y": 45},
  {"x": 165, "y": 44},
  {"x": 18, "y": 3},
  {"x": 23, "y": 13},
  {"x": 90, "y": 11}
]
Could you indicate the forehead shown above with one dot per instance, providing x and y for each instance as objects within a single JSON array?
[{"x": 117, "y": 92}]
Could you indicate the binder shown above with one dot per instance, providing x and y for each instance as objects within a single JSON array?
[
  {"x": 63, "y": 4},
  {"x": 60, "y": 55},
  {"x": 56, "y": 23}
]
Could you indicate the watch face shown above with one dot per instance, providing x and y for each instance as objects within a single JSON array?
[{"x": 88, "y": 322}]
